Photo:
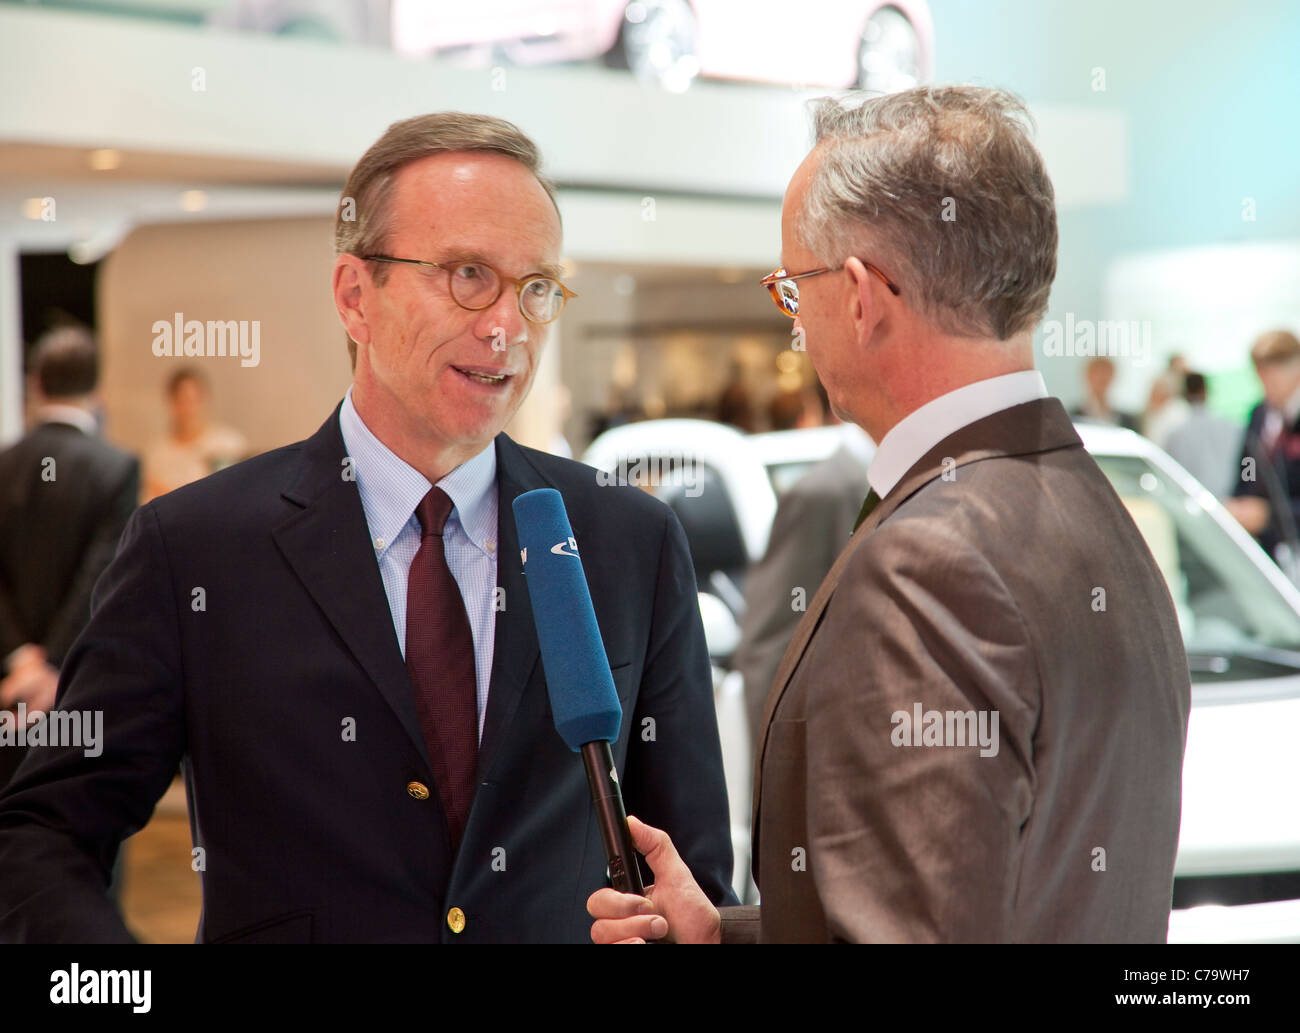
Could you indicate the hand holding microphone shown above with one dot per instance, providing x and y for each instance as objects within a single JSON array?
[
  {"x": 588, "y": 717},
  {"x": 585, "y": 706},
  {"x": 677, "y": 907}
]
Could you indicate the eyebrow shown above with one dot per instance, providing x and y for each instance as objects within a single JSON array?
[{"x": 469, "y": 254}]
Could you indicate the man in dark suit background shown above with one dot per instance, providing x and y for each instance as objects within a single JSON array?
[
  {"x": 814, "y": 519},
  {"x": 977, "y": 731},
  {"x": 335, "y": 638},
  {"x": 65, "y": 497},
  {"x": 1266, "y": 486}
]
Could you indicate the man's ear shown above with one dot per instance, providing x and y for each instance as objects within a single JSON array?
[
  {"x": 865, "y": 307},
  {"x": 351, "y": 281}
]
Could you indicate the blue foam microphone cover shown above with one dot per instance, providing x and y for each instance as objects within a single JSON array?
[{"x": 583, "y": 700}]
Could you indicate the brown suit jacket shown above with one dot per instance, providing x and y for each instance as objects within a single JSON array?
[{"x": 1001, "y": 575}]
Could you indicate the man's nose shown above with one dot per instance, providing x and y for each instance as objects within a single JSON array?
[{"x": 501, "y": 324}]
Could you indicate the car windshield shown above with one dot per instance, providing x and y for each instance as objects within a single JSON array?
[{"x": 1235, "y": 623}]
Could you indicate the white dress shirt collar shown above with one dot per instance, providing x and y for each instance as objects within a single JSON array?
[
  {"x": 918, "y": 432},
  {"x": 72, "y": 415}
]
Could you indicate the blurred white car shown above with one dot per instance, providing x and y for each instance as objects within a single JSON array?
[
  {"x": 883, "y": 45},
  {"x": 338, "y": 21},
  {"x": 1237, "y": 875},
  {"x": 878, "y": 45}
]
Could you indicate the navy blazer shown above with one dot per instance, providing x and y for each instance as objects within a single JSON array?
[{"x": 243, "y": 634}]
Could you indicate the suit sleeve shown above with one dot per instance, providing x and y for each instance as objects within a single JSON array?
[
  {"x": 801, "y": 549},
  {"x": 674, "y": 777},
  {"x": 74, "y": 611},
  {"x": 918, "y": 842},
  {"x": 65, "y": 813},
  {"x": 741, "y": 924}
]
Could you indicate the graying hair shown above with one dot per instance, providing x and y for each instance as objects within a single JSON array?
[{"x": 942, "y": 189}]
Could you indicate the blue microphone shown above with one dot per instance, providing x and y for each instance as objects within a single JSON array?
[{"x": 584, "y": 704}]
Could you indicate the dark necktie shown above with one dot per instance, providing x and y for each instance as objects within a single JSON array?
[
  {"x": 868, "y": 504},
  {"x": 440, "y": 661}
]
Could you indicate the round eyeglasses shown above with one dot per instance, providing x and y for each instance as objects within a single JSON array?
[
  {"x": 476, "y": 286},
  {"x": 785, "y": 292}
]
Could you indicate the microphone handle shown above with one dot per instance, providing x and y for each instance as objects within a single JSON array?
[{"x": 607, "y": 798}]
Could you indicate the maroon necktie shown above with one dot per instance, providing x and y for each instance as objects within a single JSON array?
[{"x": 440, "y": 661}]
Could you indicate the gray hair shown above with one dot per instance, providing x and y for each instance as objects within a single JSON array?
[
  {"x": 362, "y": 227},
  {"x": 942, "y": 188}
]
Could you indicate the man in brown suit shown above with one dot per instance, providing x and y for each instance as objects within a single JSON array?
[{"x": 977, "y": 731}]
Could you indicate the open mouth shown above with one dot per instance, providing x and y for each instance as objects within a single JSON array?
[{"x": 482, "y": 376}]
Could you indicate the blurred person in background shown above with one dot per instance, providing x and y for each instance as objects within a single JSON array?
[
  {"x": 795, "y": 410},
  {"x": 1206, "y": 445},
  {"x": 1166, "y": 407},
  {"x": 621, "y": 408},
  {"x": 735, "y": 406},
  {"x": 1098, "y": 375},
  {"x": 1266, "y": 494},
  {"x": 65, "y": 498},
  {"x": 194, "y": 446},
  {"x": 813, "y": 522}
]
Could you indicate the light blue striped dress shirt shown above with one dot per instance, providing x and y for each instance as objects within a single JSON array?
[{"x": 390, "y": 490}]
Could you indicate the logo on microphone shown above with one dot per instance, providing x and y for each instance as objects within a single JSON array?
[{"x": 558, "y": 548}]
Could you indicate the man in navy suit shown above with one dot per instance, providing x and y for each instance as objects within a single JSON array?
[
  {"x": 268, "y": 628},
  {"x": 1266, "y": 493}
]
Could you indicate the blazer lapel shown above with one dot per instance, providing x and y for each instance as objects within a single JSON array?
[
  {"x": 515, "y": 649},
  {"x": 1033, "y": 427},
  {"x": 328, "y": 545}
]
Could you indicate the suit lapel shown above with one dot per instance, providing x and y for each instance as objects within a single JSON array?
[
  {"x": 515, "y": 650},
  {"x": 328, "y": 546},
  {"x": 1033, "y": 427}
]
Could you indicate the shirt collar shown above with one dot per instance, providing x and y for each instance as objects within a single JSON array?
[
  {"x": 72, "y": 415},
  {"x": 918, "y": 432},
  {"x": 472, "y": 487},
  {"x": 391, "y": 488}
]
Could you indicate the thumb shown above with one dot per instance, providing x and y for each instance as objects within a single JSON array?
[{"x": 657, "y": 847}]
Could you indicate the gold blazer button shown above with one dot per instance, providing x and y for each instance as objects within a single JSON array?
[
  {"x": 456, "y": 920},
  {"x": 418, "y": 790}
]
